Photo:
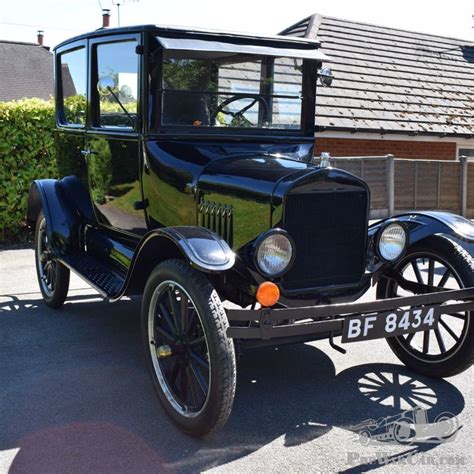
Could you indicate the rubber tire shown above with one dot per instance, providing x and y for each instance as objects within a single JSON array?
[
  {"x": 59, "y": 295},
  {"x": 463, "y": 264},
  {"x": 221, "y": 348}
]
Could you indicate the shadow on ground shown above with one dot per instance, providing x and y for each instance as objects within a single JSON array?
[{"x": 76, "y": 395}]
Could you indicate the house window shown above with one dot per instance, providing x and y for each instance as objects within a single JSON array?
[
  {"x": 118, "y": 62},
  {"x": 73, "y": 83},
  {"x": 469, "y": 152}
]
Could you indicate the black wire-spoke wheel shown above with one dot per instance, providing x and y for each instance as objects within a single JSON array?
[
  {"x": 429, "y": 269},
  {"x": 437, "y": 264},
  {"x": 191, "y": 360},
  {"x": 179, "y": 348},
  {"x": 53, "y": 277}
]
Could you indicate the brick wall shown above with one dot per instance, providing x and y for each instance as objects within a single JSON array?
[{"x": 399, "y": 148}]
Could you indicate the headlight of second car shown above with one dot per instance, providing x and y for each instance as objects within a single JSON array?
[
  {"x": 392, "y": 242},
  {"x": 274, "y": 253}
]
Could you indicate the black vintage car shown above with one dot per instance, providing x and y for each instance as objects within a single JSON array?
[{"x": 189, "y": 178}]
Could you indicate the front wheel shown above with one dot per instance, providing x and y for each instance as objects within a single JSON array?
[
  {"x": 448, "y": 349},
  {"x": 190, "y": 358}
]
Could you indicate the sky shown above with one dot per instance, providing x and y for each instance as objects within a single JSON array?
[{"x": 61, "y": 19}]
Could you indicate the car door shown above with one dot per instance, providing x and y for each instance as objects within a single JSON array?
[
  {"x": 71, "y": 111},
  {"x": 113, "y": 142}
]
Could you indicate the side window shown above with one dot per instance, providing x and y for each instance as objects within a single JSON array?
[
  {"x": 73, "y": 82},
  {"x": 117, "y": 84}
]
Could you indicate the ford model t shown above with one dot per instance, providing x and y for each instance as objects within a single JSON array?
[{"x": 189, "y": 178}]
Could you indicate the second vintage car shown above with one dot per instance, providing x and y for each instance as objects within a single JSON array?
[{"x": 189, "y": 178}]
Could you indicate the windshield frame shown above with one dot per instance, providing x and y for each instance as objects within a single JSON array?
[{"x": 155, "y": 95}]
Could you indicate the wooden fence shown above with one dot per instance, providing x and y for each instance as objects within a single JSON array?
[{"x": 399, "y": 184}]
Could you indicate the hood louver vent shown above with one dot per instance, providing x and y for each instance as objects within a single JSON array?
[{"x": 217, "y": 217}]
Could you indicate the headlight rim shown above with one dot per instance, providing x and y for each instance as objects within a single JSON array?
[
  {"x": 258, "y": 242},
  {"x": 379, "y": 236}
]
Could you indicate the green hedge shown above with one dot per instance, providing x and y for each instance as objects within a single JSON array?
[{"x": 26, "y": 153}]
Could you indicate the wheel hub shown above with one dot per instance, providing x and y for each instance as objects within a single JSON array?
[
  {"x": 164, "y": 351},
  {"x": 180, "y": 347}
]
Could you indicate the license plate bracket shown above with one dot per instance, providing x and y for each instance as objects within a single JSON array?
[{"x": 390, "y": 323}]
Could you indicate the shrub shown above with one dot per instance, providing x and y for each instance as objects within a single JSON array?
[{"x": 26, "y": 153}]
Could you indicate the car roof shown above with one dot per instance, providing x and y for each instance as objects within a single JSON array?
[{"x": 196, "y": 33}]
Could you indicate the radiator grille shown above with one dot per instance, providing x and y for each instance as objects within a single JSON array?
[
  {"x": 330, "y": 234},
  {"x": 217, "y": 217}
]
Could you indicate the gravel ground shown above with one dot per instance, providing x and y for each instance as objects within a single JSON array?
[{"x": 75, "y": 397}]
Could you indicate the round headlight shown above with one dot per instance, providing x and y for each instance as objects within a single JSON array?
[
  {"x": 274, "y": 253},
  {"x": 392, "y": 242}
]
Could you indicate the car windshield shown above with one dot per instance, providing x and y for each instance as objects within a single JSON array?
[{"x": 203, "y": 89}]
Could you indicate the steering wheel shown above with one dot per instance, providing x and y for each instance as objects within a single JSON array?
[{"x": 238, "y": 116}]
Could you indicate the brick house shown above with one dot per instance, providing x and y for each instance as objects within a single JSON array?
[
  {"x": 405, "y": 93},
  {"x": 26, "y": 70}
]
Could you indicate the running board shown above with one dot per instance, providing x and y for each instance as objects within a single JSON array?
[{"x": 106, "y": 281}]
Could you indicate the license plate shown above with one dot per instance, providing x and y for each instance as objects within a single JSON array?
[{"x": 389, "y": 324}]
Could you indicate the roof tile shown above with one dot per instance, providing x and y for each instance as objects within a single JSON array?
[
  {"x": 392, "y": 80},
  {"x": 26, "y": 70}
]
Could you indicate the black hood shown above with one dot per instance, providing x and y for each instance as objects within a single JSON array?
[
  {"x": 249, "y": 176},
  {"x": 254, "y": 187},
  {"x": 245, "y": 185}
]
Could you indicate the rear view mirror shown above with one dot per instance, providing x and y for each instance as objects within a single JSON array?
[{"x": 106, "y": 86}]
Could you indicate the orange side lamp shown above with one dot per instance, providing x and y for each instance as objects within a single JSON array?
[{"x": 268, "y": 294}]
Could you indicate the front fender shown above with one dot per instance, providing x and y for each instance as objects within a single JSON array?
[
  {"x": 202, "y": 248},
  {"x": 422, "y": 224},
  {"x": 206, "y": 250}
]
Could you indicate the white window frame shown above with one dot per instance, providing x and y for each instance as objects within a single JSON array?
[{"x": 463, "y": 146}]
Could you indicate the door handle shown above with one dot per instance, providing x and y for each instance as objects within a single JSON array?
[
  {"x": 85, "y": 153},
  {"x": 146, "y": 166}
]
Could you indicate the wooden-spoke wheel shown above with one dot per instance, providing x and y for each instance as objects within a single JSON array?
[
  {"x": 190, "y": 358},
  {"x": 440, "y": 264},
  {"x": 179, "y": 349},
  {"x": 428, "y": 269}
]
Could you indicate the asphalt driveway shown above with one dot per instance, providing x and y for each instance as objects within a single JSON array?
[{"x": 75, "y": 397}]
